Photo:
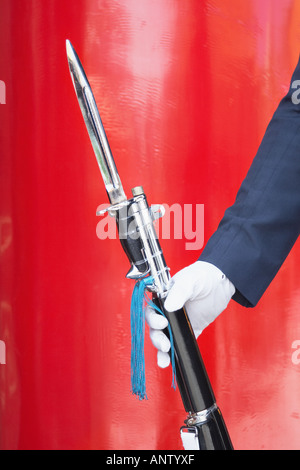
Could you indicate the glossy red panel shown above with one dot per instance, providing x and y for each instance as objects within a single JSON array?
[{"x": 185, "y": 91}]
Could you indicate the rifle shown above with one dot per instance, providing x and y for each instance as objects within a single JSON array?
[{"x": 204, "y": 427}]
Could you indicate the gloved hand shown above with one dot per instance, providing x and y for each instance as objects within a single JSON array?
[{"x": 204, "y": 291}]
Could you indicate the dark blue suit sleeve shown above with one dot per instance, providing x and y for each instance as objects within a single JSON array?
[{"x": 256, "y": 234}]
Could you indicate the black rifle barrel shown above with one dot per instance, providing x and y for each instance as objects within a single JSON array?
[{"x": 194, "y": 384}]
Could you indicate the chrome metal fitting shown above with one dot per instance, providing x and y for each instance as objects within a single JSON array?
[{"x": 201, "y": 417}]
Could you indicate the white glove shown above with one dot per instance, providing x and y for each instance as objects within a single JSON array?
[{"x": 204, "y": 291}]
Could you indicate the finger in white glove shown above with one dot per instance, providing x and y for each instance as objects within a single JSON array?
[
  {"x": 203, "y": 290},
  {"x": 160, "y": 341}
]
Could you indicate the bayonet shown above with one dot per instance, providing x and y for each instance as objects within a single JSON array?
[
  {"x": 95, "y": 128},
  {"x": 133, "y": 217}
]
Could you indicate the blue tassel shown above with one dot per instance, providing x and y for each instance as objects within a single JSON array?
[{"x": 137, "y": 314}]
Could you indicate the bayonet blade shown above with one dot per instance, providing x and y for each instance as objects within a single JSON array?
[{"x": 95, "y": 128}]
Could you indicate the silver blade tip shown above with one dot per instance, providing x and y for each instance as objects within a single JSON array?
[
  {"x": 76, "y": 69},
  {"x": 69, "y": 49}
]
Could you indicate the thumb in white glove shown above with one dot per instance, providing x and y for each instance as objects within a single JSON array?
[{"x": 204, "y": 291}]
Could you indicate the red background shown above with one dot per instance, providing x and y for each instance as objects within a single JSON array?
[{"x": 185, "y": 91}]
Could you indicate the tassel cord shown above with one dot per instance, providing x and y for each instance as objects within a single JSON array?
[{"x": 137, "y": 316}]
